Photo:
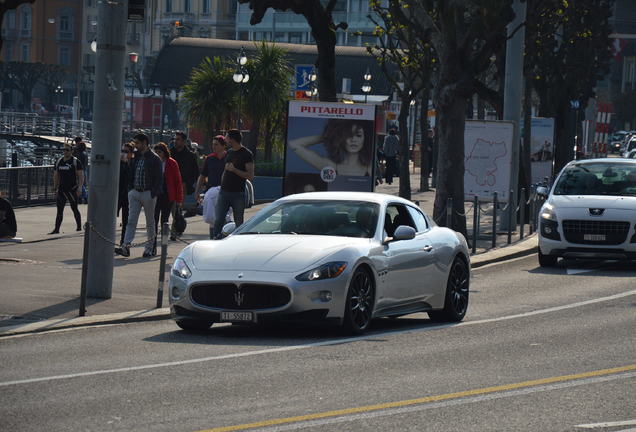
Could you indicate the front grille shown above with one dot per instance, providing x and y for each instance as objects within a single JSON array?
[
  {"x": 615, "y": 232},
  {"x": 242, "y": 297}
]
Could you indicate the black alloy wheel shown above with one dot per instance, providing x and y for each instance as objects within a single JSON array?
[
  {"x": 194, "y": 325},
  {"x": 457, "y": 290},
  {"x": 359, "y": 305}
]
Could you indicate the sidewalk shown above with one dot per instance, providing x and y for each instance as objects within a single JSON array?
[{"x": 41, "y": 276}]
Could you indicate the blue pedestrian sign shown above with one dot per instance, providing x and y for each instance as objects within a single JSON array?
[{"x": 303, "y": 73}]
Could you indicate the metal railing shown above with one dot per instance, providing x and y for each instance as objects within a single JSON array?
[
  {"x": 27, "y": 186},
  {"x": 15, "y": 123}
]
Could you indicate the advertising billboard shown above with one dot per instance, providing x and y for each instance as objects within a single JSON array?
[
  {"x": 541, "y": 148},
  {"x": 329, "y": 146},
  {"x": 487, "y": 159}
]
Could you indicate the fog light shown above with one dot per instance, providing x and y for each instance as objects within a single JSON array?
[
  {"x": 548, "y": 230},
  {"x": 325, "y": 296},
  {"x": 176, "y": 292}
]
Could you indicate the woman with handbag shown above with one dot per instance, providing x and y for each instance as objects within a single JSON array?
[{"x": 170, "y": 200}]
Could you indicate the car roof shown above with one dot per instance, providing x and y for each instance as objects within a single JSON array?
[
  {"x": 374, "y": 197},
  {"x": 602, "y": 160}
]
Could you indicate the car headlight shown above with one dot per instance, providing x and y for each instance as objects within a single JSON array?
[
  {"x": 548, "y": 212},
  {"x": 325, "y": 271},
  {"x": 181, "y": 269}
]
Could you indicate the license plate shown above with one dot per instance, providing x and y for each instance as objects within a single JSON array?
[
  {"x": 594, "y": 237},
  {"x": 238, "y": 316}
]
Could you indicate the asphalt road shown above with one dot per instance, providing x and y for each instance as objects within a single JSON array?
[{"x": 540, "y": 350}]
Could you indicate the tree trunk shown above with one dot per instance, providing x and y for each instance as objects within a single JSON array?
[
  {"x": 451, "y": 122},
  {"x": 326, "y": 66},
  {"x": 425, "y": 153},
  {"x": 561, "y": 151},
  {"x": 405, "y": 178}
]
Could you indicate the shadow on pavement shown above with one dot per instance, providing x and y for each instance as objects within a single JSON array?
[
  {"x": 49, "y": 312},
  {"x": 284, "y": 334},
  {"x": 574, "y": 267}
]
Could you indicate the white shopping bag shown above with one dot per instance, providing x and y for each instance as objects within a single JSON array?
[{"x": 209, "y": 205}]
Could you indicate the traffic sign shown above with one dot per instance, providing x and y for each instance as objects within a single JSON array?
[{"x": 303, "y": 74}]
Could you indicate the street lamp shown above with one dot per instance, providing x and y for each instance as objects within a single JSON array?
[
  {"x": 313, "y": 88},
  {"x": 58, "y": 91},
  {"x": 240, "y": 77},
  {"x": 366, "y": 87},
  {"x": 134, "y": 58}
]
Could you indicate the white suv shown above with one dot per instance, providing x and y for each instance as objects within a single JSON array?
[{"x": 590, "y": 212}]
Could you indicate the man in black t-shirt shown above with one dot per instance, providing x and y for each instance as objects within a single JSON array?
[
  {"x": 68, "y": 176},
  {"x": 239, "y": 166}
]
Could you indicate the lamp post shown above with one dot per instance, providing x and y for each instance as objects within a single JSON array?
[
  {"x": 240, "y": 77},
  {"x": 134, "y": 58},
  {"x": 366, "y": 87}
]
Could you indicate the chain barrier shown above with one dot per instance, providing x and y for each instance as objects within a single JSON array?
[
  {"x": 466, "y": 212},
  {"x": 441, "y": 217},
  {"x": 107, "y": 240}
]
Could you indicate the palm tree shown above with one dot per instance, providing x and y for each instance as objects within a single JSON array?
[
  {"x": 267, "y": 90},
  {"x": 209, "y": 94}
]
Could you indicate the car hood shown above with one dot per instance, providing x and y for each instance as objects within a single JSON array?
[
  {"x": 273, "y": 252},
  {"x": 593, "y": 201}
]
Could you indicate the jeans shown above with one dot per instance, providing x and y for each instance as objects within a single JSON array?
[
  {"x": 137, "y": 200},
  {"x": 226, "y": 199}
]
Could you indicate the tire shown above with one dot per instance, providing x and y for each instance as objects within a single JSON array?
[
  {"x": 194, "y": 325},
  {"x": 457, "y": 292},
  {"x": 359, "y": 304},
  {"x": 547, "y": 260}
]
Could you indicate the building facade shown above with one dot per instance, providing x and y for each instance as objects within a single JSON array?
[{"x": 48, "y": 32}]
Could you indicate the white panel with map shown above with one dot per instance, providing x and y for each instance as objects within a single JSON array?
[{"x": 487, "y": 159}]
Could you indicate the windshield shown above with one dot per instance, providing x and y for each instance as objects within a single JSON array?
[
  {"x": 334, "y": 218},
  {"x": 598, "y": 179}
]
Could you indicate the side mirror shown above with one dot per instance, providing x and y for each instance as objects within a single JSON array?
[
  {"x": 542, "y": 191},
  {"x": 404, "y": 232},
  {"x": 228, "y": 229}
]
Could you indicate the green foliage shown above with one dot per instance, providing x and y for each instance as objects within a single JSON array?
[
  {"x": 268, "y": 88},
  {"x": 209, "y": 94},
  {"x": 568, "y": 50}
]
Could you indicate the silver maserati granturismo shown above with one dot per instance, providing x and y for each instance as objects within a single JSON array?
[{"x": 335, "y": 257}]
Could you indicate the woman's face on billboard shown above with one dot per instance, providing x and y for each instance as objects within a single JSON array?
[{"x": 355, "y": 141}]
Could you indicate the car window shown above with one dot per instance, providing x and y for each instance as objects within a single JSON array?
[
  {"x": 603, "y": 178},
  {"x": 418, "y": 218},
  {"x": 396, "y": 215},
  {"x": 319, "y": 217}
]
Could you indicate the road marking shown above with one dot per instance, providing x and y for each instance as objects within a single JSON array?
[
  {"x": 315, "y": 344},
  {"x": 607, "y": 424},
  {"x": 431, "y": 402}
]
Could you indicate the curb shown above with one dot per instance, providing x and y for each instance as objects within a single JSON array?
[
  {"x": 86, "y": 321},
  {"x": 525, "y": 247}
]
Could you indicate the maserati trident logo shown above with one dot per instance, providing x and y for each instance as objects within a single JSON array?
[
  {"x": 596, "y": 211},
  {"x": 239, "y": 296}
]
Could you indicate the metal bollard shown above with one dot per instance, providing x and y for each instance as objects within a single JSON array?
[
  {"x": 87, "y": 233},
  {"x": 522, "y": 212},
  {"x": 512, "y": 213},
  {"x": 494, "y": 219},
  {"x": 449, "y": 213},
  {"x": 165, "y": 229},
  {"x": 475, "y": 223}
]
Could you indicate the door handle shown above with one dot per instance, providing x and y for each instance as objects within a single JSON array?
[{"x": 427, "y": 248}]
